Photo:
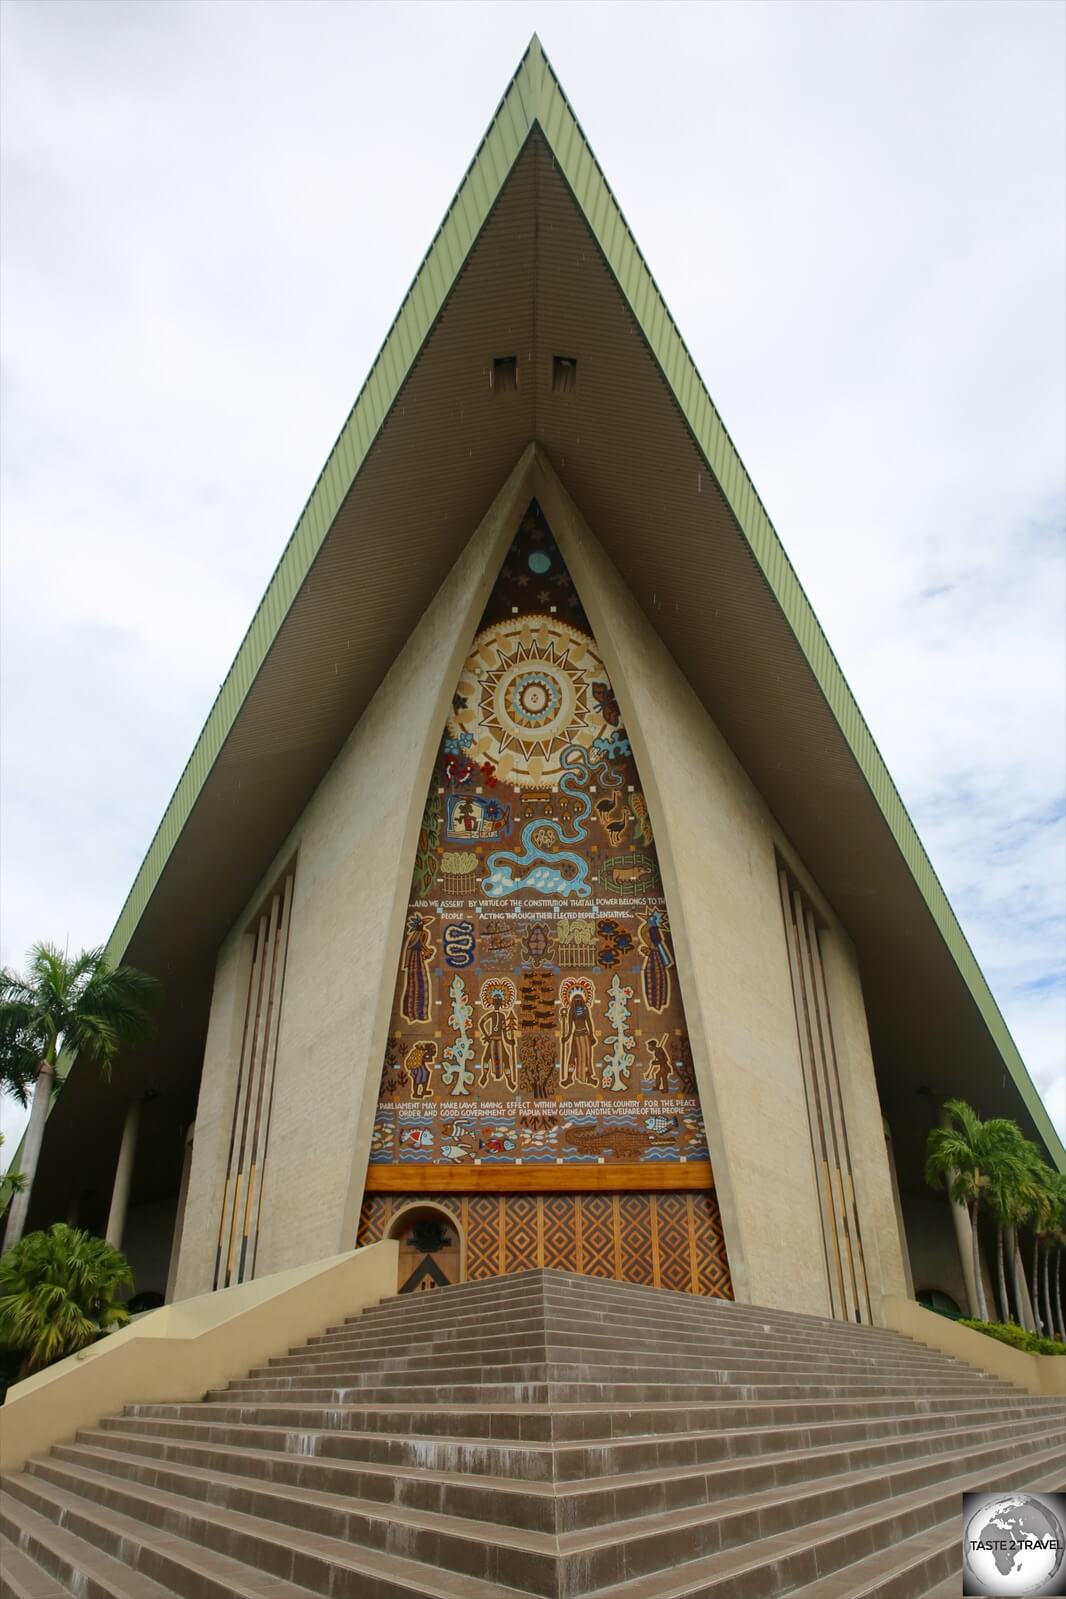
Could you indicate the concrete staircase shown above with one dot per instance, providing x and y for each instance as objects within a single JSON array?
[{"x": 542, "y": 1434}]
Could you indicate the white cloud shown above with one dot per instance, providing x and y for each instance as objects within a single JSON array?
[{"x": 855, "y": 213}]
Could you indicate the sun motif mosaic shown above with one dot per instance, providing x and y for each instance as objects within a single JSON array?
[
  {"x": 526, "y": 695},
  {"x": 537, "y": 1017}
]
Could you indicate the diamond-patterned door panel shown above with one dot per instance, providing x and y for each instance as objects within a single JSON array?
[{"x": 664, "y": 1240}]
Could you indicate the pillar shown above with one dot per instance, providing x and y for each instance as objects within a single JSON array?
[
  {"x": 908, "y": 1275},
  {"x": 179, "y": 1219},
  {"x": 120, "y": 1193}
]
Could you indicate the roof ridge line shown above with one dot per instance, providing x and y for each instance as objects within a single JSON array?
[{"x": 535, "y": 98}]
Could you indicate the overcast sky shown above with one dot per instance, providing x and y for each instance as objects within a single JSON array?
[{"x": 211, "y": 212}]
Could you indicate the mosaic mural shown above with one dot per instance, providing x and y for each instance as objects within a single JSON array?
[{"x": 537, "y": 1017}]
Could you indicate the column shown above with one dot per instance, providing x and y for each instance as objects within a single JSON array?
[
  {"x": 120, "y": 1193},
  {"x": 179, "y": 1218},
  {"x": 908, "y": 1275}
]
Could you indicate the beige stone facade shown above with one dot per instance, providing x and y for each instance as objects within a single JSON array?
[
  {"x": 353, "y": 848},
  {"x": 719, "y": 846}
]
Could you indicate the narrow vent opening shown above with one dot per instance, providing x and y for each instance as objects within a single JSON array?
[
  {"x": 505, "y": 374},
  {"x": 564, "y": 374}
]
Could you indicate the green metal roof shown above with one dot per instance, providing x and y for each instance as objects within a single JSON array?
[{"x": 534, "y": 99}]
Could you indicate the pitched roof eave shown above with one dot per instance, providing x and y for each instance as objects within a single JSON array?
[{"x": 534, "y": 99}]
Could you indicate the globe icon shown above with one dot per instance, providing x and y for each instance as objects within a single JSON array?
[{"x": 1014, "y": 1545}]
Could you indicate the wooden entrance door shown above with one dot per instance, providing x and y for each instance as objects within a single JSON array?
[{"x": 429, "y": 1252}]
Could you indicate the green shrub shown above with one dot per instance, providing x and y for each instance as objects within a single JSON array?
[
  {"x": 1030, "y": 1343},
  {"x": 57, "y": 1294}
]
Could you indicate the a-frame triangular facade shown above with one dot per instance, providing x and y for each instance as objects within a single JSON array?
[{"x": 534, "y": 275}]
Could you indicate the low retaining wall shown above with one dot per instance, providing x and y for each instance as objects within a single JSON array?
[
  {"x": 180, "y": 1351},
  {"x": 1044, "y": 1375}
]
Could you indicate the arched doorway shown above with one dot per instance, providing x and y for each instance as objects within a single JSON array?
[
  {"x": 432, "y": 1248},
  {"x": 936, "y": 1299}
]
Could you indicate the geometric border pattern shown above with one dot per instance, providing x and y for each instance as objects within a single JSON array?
[{"x": 662, "y": 1240}]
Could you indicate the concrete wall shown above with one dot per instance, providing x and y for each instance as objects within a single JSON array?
[
  {"x": 180, "y": 1351},
  {"x": 1043, "y": 1375},
  {"x": 883, "y": 1247},
  {"x": 354, "y": 848},
  {"x": 716, "y": 840},
  {"x": 214, "y": 1116}
]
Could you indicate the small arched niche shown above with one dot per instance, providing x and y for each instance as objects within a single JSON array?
[
  {"x": 432, "y": 1247},
  {"x": 940, "y": 1301}
]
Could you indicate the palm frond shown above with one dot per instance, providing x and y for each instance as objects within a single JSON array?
[
  {"x": 65, "y": 1006},
  {"x": 57, "y": 1293}
]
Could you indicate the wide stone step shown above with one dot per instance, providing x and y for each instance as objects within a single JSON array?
[
  {"x": 477, "y": 1547},
  {"x": 22, "y": 1578},
  {"x": 268, "y": 1523},
  {"x": 684, "y": 1311},
  {"x": 574, "y": 1287},
  {"x": 611, "y": 1332},
  {"x": 814, "y": 1554},
  {"x": 569, "y": 1464},
  {"x": 418, "y": 1312},
  {"x": 585, "y": 1351},
  {"x": 591, "y": 1343},
  {"x": 513, "y": 1498},
  {"x": 555, "y": 1383},
  {"x": 548, "y": 1435},
  {"x": 903, "y": 1570},
  {"x": 500, "y": 1460},
  {"x": 755, "y": 1366},
  {"x": 508, "y": 1502},
  {"x": 578, "y": 1330},
  {"x": 925, "y": 1565},
  {"x": 462, "y": 1450},
  {"x": 576, "y": 1422},
  {"x": 641, "y": 1329},
  {"x": 600, "y": 1296},
  {"x": 576, "y": 1364},
  {"x": 476, "y": 1332},
  {"x": 198, "y": 1564},
  {"x": 582, "y": 1345},
  {"x": 95, "y": 1554}
]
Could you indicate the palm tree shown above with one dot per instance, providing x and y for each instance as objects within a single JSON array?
[
  {"x": 81, "y": 1005},
  {"x": 965, "y": 1154},
  {"x": 1008, "y": 1200},
  {"x": 1047, "y": 1219},
  {"x": 57, "y": 1294},
  {"x": 1015, "y": 1196},
  {"x": 10, "y": 1183},
  {"x": 1058, "y": 1239}
]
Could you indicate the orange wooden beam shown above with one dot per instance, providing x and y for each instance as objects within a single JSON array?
[{"x": 417, "y": 1178}]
